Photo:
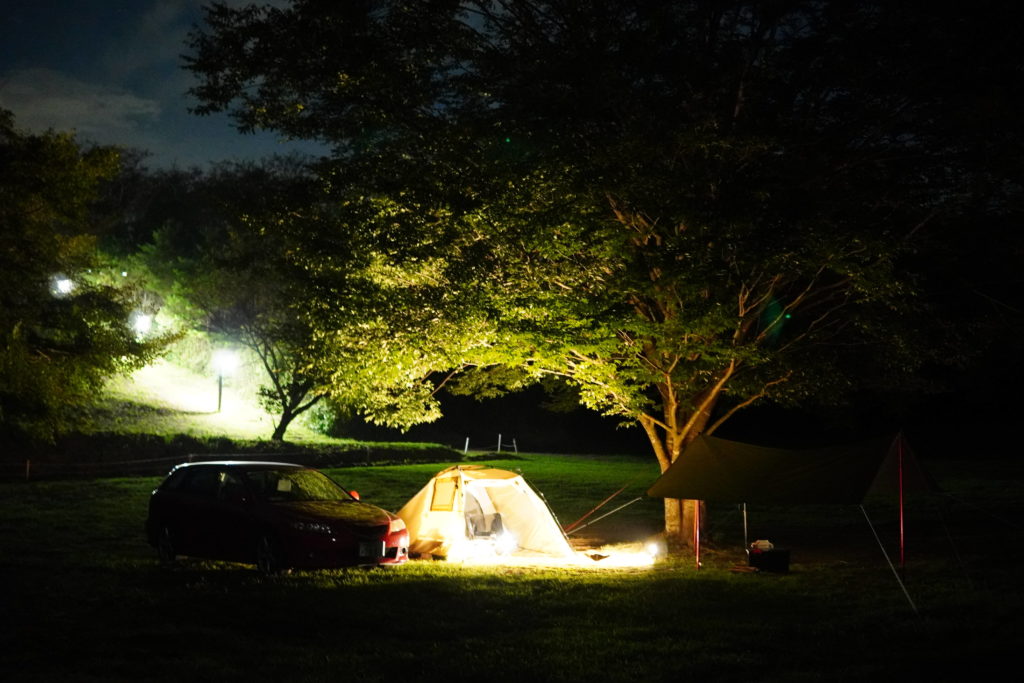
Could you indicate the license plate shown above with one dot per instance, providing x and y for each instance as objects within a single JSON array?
[{"x": 371, "y": 549}]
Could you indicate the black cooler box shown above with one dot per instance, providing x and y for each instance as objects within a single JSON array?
[{"x": 774, "y": 560}]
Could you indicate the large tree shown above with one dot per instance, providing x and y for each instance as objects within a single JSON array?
[
  {"x": 65, "y": 323},
  {"x": 684, "y": 208}
]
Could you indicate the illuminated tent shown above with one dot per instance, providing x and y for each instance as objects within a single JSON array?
[{"x": 466, "y": 510}]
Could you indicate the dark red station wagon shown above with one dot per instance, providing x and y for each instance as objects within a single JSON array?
[{"x": 274, "y": 515}]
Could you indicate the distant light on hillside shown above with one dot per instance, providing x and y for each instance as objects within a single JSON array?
[
  {"x": 62, "y": 286},
  {"x": 142, "y": 323}
]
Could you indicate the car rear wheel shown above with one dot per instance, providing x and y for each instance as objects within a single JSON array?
[
  {"x": 269, "y": 558},
  {"x": 165, "y": 549}
]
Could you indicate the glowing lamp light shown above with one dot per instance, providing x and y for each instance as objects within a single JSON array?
[
  {"x": 142, "y": 323},
  {"x": 225, "y": 361},
  {"x": 63, "y": 286}
]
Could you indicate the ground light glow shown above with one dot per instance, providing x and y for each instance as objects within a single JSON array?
[{"x": 617, "y": 556}]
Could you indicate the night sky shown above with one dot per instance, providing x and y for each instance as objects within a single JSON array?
[{"x": 111, "y": 70}]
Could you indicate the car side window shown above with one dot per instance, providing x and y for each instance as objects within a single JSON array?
[
  {"x": 204, "y": 482},
  {"x": 260, "y": 483},
  {"x": 231, "y": 487},
  {"x": 174, "y": 480}
]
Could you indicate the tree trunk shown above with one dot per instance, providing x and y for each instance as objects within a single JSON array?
[
  {"x": 292, "y": 411},
  {"x": 282, "y": 425},
  {"x": 679, "y": 522},
  {"x": 669, "y": 438}
]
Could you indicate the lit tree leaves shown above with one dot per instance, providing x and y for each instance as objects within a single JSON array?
[{"x": 683, "y": 208}]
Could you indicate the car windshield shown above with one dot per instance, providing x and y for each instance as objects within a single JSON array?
[{"x": 294, "y": 485}]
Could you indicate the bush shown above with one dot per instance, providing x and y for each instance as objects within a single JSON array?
[{"x": 328, "y": 418}]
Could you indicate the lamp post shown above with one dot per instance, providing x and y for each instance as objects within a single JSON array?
[{"x": 224, "y": 361}]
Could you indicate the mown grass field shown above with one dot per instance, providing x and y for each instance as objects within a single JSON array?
[{"x": 83, "y": 598}]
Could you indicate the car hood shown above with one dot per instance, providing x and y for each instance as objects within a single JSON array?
[{"x": 351, "y": 512}]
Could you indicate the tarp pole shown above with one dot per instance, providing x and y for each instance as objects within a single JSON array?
[
  {"x": 696, "y": 532},
  {"x": 746, "y": 539}
]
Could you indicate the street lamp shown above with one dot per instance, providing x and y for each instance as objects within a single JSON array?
[{"x": 224, "y": 362}]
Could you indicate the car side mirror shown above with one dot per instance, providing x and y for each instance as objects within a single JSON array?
[{"x": 354, "y": 494}]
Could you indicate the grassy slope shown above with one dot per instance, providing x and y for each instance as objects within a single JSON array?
[{"x": 164, "y": 398}]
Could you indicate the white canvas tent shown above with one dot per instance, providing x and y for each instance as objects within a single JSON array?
[{"x": 469, "y": 510}]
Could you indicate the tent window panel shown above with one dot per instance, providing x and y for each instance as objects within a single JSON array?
[
  {"x": 478, "y": 522},
  {"x": 444, "y": 495}
]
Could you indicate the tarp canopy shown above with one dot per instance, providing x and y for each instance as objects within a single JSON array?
[
  {"x": 465, "y": 505},
  {"x": 714, "y": 469}
]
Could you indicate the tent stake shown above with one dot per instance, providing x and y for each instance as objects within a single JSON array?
[{"x": 886, "y": 555}]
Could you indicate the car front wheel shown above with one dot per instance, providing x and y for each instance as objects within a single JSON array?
[
  {"x": 165, "y": 549},
  {"x": 269, "y": 558}
]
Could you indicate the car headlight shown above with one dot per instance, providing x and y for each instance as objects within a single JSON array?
[
  {"x": 397, "y": 524},
  {"x": 312, "y": 527}
]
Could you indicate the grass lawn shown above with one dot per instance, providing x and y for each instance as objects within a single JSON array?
[{"x": 83, "y": 598}]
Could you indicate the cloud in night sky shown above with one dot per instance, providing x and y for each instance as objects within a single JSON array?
[
  {"x": 44, "y": 98},
  {"x": 111, "y": 71}
]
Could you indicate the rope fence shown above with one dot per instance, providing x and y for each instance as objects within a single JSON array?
[
  {"x": 359, "y": 455},
  {"x": 33, "y": 469}
]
